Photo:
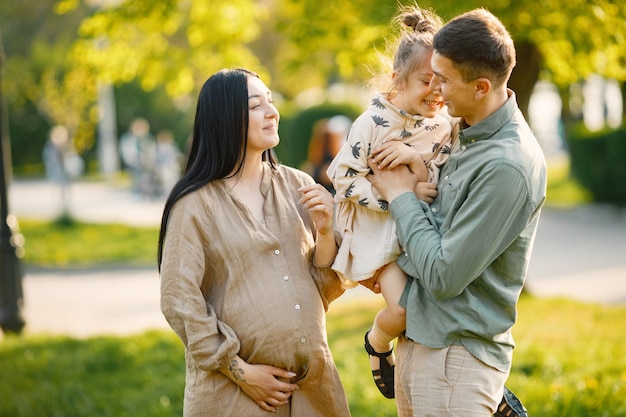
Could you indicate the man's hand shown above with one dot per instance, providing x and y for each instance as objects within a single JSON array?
[{"x": 390, "y": 183}]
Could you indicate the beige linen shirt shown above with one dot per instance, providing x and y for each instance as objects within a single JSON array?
[{"x": 233, "y": 285}]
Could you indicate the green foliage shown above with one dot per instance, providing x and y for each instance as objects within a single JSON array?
[
  {"x": 42, "y": 86},
  {"x": 60, "y": 244},
  {"x": 58, "y": 51},
  {"x": 321, "y": 45},
  {"x": 28, "y": 134},
  {"x": 296, "y": 131},
  {"x": 563, "y": 190},
  {"x": 597, "y": 162},
  {"x": 569, "y": 361},
  {"x": 575, "y": 38},
  {"x": 168, "y": 43},
  {"x": 36, "y": 42}
]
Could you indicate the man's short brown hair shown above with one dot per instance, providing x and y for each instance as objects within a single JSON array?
[{"x": 479, "y": 46}]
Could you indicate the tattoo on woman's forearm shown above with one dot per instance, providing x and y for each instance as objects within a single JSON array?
[{"x": 236, "y": 371}]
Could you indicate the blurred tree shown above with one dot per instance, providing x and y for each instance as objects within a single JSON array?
[
  {"x": 167, "y": 46},
  {"x": 171, "y": 43},
  {"x": 561, "y": 41},
  {"x": 315, "y": 46},
  {"x": 300, "y": 44},
  {"x": 40, "y": 89},
  {"x": 293, "y": 44}
]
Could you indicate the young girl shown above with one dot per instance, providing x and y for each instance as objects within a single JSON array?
[{"x": 405, "y": 125}]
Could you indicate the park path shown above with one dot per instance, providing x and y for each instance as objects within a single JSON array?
[{"x": 579, "y": 253}]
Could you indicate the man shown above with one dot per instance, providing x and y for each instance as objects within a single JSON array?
[{"x": 467, "y": 254}]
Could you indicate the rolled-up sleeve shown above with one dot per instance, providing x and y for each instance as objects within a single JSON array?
[{"x": 447, "y": 263}]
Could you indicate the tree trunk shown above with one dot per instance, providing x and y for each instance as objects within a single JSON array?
[
  {"x": 11, "y": 292},
  {"x": 623, "y": 100},
  {"x": 525, "y": 74},
  {"x": 108, "y": 153}
]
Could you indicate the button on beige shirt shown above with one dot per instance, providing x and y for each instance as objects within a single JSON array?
[{"x": 231, "y": 284}]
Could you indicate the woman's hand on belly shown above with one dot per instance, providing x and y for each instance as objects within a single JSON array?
[{"x": 262, "y": 383}]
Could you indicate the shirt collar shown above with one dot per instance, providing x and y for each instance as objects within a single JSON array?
[
  {"x": 494, "y": 122},
  {"x": 267, "y": 178}
]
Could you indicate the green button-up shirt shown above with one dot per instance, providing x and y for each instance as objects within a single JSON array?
[{"x": 469, "y": 251}]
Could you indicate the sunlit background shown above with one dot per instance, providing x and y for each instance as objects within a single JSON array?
[
  {"x": 77, "y": 75},
  {"x": 95, "y": 66}
]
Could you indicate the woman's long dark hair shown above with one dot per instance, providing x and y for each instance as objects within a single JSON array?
[{"x": 220, "y": 137}]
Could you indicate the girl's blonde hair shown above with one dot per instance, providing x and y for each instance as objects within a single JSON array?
[{"x": 410, "y": 49}]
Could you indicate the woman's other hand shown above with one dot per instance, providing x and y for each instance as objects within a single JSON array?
[{"x": 320, "y": 204}]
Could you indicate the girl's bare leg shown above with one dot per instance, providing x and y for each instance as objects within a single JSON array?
[{"x": 390, "y": 322}]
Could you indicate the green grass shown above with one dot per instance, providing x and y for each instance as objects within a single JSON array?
[
  {"x": 570, "y": 361},
  {"x": 78, "y": 244},
  {"x": 570, "y": 358},
  {"x": 138, "y": 376},
  {"x": 577, "y": 351}
]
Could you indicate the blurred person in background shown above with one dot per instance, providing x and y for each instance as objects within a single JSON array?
[
  {"x": 139, "y": 152},
  {"x": 327, "y": 138},
  {"x": 168, "y": 160},
  {"x": 62, "y": 163}
]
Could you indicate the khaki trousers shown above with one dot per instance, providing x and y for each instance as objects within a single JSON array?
[{"x": 447, "y": 382}]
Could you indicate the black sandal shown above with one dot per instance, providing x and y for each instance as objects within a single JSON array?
[{"x": 383, "y": 377}]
